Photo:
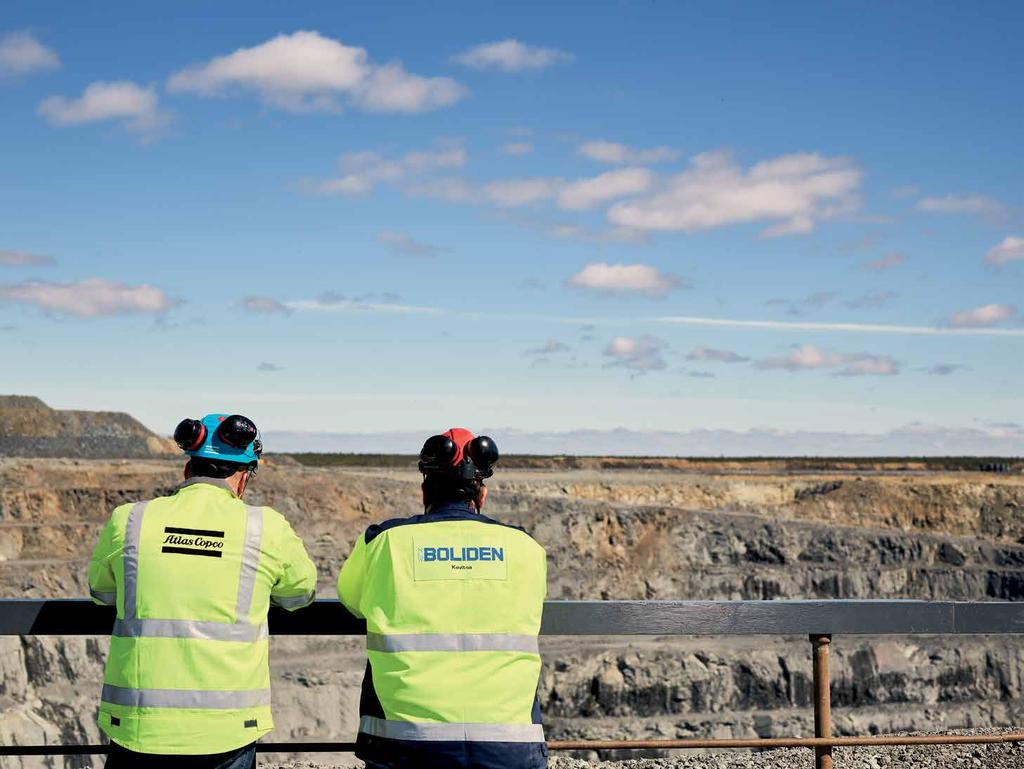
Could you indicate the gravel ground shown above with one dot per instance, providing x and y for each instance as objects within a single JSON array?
[{"x": 998, "y": 756}]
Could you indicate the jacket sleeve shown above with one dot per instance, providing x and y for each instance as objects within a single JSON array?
[
  {"x": 352, "y": 576},
  {"x": 102, "y": 583},
  {"x": 296, "y": 583}
]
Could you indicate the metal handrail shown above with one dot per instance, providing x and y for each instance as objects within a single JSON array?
[{"x": 819, "y": 620}]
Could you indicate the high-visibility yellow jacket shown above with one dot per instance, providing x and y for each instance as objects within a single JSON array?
[
  {"x": 453, "y": 603},
  {"x": 192, "y": 576}
]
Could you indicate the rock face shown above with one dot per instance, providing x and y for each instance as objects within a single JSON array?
[
  {"x": 30, "y": 428},
  {"x": 618, "y": 535}
]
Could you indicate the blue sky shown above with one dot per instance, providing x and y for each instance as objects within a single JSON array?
[{"x": 667, "y": 217}]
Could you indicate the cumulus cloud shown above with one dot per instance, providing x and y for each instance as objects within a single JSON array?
[
  {"x": 605, "y": 278},
  {"x": 512, "y": 193},
  {"x": 517, "y": 148},
  {"x": 809, "y": 357},
  {"x": 400, "y": 243},
  {"x": 264, "y": 305},
  {"x": 617, "y": 154},
  {"x": 90, "y": 298},
  {"x": 24, "y": 259},
  {"x": 887, "y": 262},
  {"x": 791, "y": 193},
  {"x": 639, "y": 353},
  {"x": 360, "y": 172},
  {"x": 717, "y": 356},
  {"x": 22, "y": 54},
  {"x": 307, "y": 72},
  {"x": 1011, "y": 249},
  {"x": 980, "y": 205},
  {"x": 587, "y": 193},
  {"x": 511, "y": 56},
  {"x": 135, "y": 106},
  {"x": 986, "y": 315}
]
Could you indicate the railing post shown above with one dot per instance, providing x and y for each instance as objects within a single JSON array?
[{"x": 822, "y": 699}]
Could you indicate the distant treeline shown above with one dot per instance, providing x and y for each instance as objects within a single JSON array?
[{"x": 794, "y": 464}]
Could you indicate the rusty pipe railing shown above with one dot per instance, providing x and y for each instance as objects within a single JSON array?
[{"x": 819, "y": 620}]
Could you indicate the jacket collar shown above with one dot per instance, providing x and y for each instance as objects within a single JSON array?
[
  {"x": 208, "y": 481},
  {"x": 452, "y": 508}
]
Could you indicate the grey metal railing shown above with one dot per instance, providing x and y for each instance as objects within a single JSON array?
[{"x": 819, "y": 620}]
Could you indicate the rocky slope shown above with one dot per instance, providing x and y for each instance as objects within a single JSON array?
[
  {"x": 30, "y": 428},
  {"x": 622, "y": 534}
]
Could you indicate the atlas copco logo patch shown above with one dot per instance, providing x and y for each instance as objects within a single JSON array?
[
  {"x": 459, "y": 557},
  {"x": 193, "y": 542}
]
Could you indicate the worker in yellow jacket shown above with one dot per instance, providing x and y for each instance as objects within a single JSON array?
[
  {"x": 187, "y": 683},
  {"x": 452, "y": 601}
]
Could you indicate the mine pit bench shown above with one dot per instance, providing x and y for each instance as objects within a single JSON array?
[{"x": 819, "y": 620}]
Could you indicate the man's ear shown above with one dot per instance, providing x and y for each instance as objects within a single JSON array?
[
  {"x": 188, "y": 469},
  {"x": 481, "y": 498}
]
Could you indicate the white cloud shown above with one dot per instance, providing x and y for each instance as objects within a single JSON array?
[
  {"x": 809, "y": 357},
  {"x": 517, "y": 148},
  {"x": 362, "y": 171},
  {"x": 400, "y": 243},
  {"x": 122, "y": 100},
  {"x": 584, "y": 194},
  {"x": 22, "y": 54},
  {"x": 306, "y": 72},
  {"x": 986, "y": 315},
  {"x": 617, "y": 154},
  {"x": 448, "y": 189},
  {"x": 90, "y": 298},
  {"x": 264, "y": 305},
  {"x": 793, "y": 192},
  {"x": 887, "y": 262},
  {"x": 1011, "y": 249},
  {"x": 639, "y": 353},
  {"x": 511, "y": 193},
  {"x": 510, "y": 56},
  {"x": 981, "y": 205},
  {"x": 24, "y": 259},
  {"x": 718, "y": 356},
  {"x": 625, "y": 279}
]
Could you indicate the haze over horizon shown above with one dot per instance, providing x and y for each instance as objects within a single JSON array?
[{"x": 775, "y": 229}]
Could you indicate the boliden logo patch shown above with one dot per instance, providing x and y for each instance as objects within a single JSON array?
[
  {"x": 193, "y": 542},
  {"x": 460, "y": 557}
]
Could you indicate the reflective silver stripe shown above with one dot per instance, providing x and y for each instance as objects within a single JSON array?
[
  {"x": 132, "y": 535},
  {"x": 185, "y": 698},
  {"x": 209, "y": 481},
  {"x": 186, "y": 628},
  {"x": 433, "y": 732},
  {"x": 292, "y": 602},
  {"x": 108, "y": 598},
  {"x": 452, "y": 642},
  {"x": 250, "y": 561}
]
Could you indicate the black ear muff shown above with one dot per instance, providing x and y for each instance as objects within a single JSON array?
[
  {"x": 189, "y": 434},
  {"x": 484, "y": 453},
  {"x": 237, "y": 431},
  {"x": 438, "y": 453}
]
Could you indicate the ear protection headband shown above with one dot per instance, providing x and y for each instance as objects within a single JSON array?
[
  {"x": 474, "y": 461},
  {"x": 235, "y": 438}
]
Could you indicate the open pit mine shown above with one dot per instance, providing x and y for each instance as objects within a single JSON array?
[{"x": 612, "y": 530}]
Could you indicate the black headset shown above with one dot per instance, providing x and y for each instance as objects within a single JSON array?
[
  {"x": 236, "y": 431},
  {"x": 478, "y": 459}
]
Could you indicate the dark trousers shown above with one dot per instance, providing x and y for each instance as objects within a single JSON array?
[{"x": 122, "y": 758}]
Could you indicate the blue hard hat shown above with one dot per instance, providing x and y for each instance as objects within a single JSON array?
[{"x": 221, "y": 437}]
